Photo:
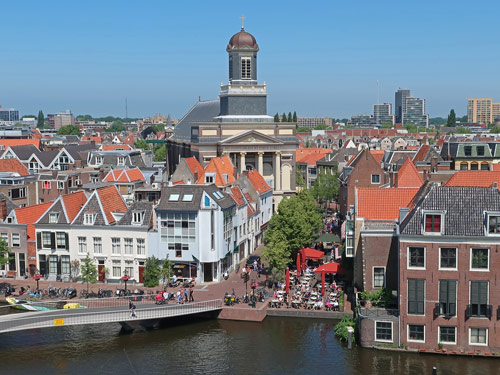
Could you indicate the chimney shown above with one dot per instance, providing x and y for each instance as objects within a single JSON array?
[
  {"x": 195, "y": 175},
  {"x": 434, "y": 163},
  {"x": 403, "y": 211},
  {"x": 495, "y": 185},
  {"x": 3, "y": 209}
]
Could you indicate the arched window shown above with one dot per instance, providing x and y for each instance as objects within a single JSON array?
[
  {"x": 464, "y": 166},
  {"x": 474, "y": 166},
  {"x": 485, "y": 166}
]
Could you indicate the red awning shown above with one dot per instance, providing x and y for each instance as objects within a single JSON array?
[
  {"x": 330, "y": 268},
  {"x": 308, "y": 253},
  {"x": 125, "y": 278}
]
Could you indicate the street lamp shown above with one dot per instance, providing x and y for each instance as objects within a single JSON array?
[{"x": 125, "y": 278}]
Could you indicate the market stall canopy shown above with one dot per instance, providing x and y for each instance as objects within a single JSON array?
[
  {"x": 330, "y": 268},
  {"x": 308, "y": 253}
]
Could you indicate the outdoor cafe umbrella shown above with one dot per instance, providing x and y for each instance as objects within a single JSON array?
[
  {"x": 299, "y": 265},
  {"x": 333, "y": 268},
  {"x": 287, "y": 281},
  {"x": 307, "y": 253}
]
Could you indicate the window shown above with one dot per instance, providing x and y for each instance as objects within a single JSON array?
[
  {"x": 383, "y": 331},
  {"x": 464, "y": 166},
  {"x": 173, "y": 197},
  {"x": 378, "y": 277},
  {"x": 375, "y": 179},
  {"x": 246, "y": 68},
  {"x": 478, "y": 299},
  {"x": 17, "y": 193},
  {"x": 129, "y": 269},
  {"x": 46, "y": 185},
  {"x": 493, "y": 224},
  {"x": 416, "y": 257},
  {"x": 468, "y": 150},
  {"x": 209, "y": 178},
  {"x": 137, "y": 217},
  {"x": 447, "y": 335},
  {"x": 448, "y": 298},
  {"x": 129, "y": 245},
  {"x": 479, "y": 259},
  {"x": 416, "y": 295},
  {"x": 178, "y": 227},
  {"x": 60, "y": 185},
  {"x": 478, "y": 336},
  {"x": 117, "y": 268},
  {"x": 89, "y": 219},
  {"x": 485, "y": 167},
  {"x": 65, "y": 265},
  {"x": 97, "y": 245},
  {"x": 53, "y": 217},
  {"x": 82, "y": 245},
  {"x": 46, "y": 240},
  {"x": 16, "y": 240},
  {"x": 448, "y": 258},
  {"x": 98, "y": 160},
  {"x": 480, "y": 150},
  {"x": 61, "y": 240},
  {"x": 433, "y": 223},
  {"x": 121, "y": 160},
  {"x": 474, "y": 166},
  {"x": 53, "y": 264},
  {"x": 5, "y": 237},
  {"x": 141, "y": 246},
  {"x": 187, "y": 197},
  {"x": 115, "y": 246},
  {"x": 416, "y": 332}
]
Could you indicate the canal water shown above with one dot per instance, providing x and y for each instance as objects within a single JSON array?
[{"x": 275, "y": 346}]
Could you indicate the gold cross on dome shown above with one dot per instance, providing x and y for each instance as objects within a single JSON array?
[{"x": 242, "y": 21}]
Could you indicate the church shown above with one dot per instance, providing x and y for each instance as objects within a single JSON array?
[{"x": 236, "y": 124}]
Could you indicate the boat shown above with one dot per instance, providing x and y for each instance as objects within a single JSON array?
[{"x": 27, "y": 305}]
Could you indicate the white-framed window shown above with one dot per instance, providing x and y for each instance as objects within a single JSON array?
[
  {"x": 89, "y": 218},
  {"x": 98, "y": 160},
  {"x": 34, "y": 166},
  {"x": 416, "y": 332},
  {"x": 209, "y": 178},
  {"x": 60, "y": 185},
  {"x": 378, "y": 277},
  {"x": 433, "y": 223},
  {"x": 128, "y": 245},
  {"x": 82, "y": 245},
  {"x": 17, "y": 193},
  {"x": 375, "y": 178},
  {"x": 479, "y": 299},
  {"x": 121, "y": 160},
  {"x": 383, "y": 331},
  {"x": 129, "y": 268},
  {"x": 137, "y": 217},
  {"x": 5, "y": 237},
  {"x": 61, "y": 240},
  {"x": 53, "y": 217},
  {"x": 246, "y": 67},
  {"x": 117, "y": 268},
  {"x": 447, "y": 335},
  {"x": 173, "y": 197},
  {"x": 448, "y": 260},
  {"x": 141, "y": 246},
  {"x": 478, "y": 336},
  {"x": 493, "y": 224},
  {"x": 115, "y": 245},
  {"x": 16, "y": 240},
  {"x": 416, "y": 257},
  {"x": 97, "y": 245},
  {"x": 46, "y": 185},
  {"x": 479, "y": 259},
  {"x": 46, "y": 240}
]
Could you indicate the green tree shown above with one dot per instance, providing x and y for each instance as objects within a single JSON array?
[
  {"x": 69, "y": 130},
  {"x": 299, "y": 179},
  {"x": 152, "y": 272},
  {"x": 116, "y": 126},
  {"x": 464, "y": 130},
  {"x": 167, "y": 270},
  {"x": 495, "y": 129},
  {"x": 283, "y": 117},
  {"x": 276, "y": 117},
  {"x": 464, "y": 119},
  {"x": 289, "y": 118},
  {"x": 158, "y": 128},
  {"x": 387, "y": 125},
  {"x": 4, "y": 252},
  {"x": 294, "y": 117},
  {"x": 326, "y": 187},
  {"x": 142, "y": 144},
  {"x": 161, "y": 153},
  {"x": 84, "y": 117},
  {"x": 278, "y": 256},
  {"x": 412, "y": 128},
  {"x": 40, "y": 120},
  {"x": 452, "y": 119},
  {"x": 321, "y": 127},
  {"x": 89, "y": 271},
  {"x": 303, "y": 129}
]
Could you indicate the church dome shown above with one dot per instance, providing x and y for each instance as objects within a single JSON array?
[{"x": 242, "y": 40}]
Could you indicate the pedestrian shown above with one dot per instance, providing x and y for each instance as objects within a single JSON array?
[
  {"x": 185, "y": 295},
  {"x": 131, "y": 307},
  {"x": 255, "y": 265},
  {"x": 191, "y": 298}
]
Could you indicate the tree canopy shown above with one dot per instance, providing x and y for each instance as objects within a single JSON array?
[
  {"x": 303, "y": 129},
  {"x": 452, "y": 119},
  {"x": 89, "y": 271},
  {"x": 152, "y": 272},
  {"x": 276, "y": 117},
  {"x": 69, "y": 130},
  {"x": 321, "y": 127},
  {"x": 294, "y": 117},
  {"x": 387, "y": 125},
  {"x": 167, "y": 269},
  {"x": 116, "y": 126},
  {"x": 326, "y": 187},
  {"x": 40, "y": 120},
  {"x": 161, "y": 153},
  {"x": 4, "y": 252},
  {"x": 142, "y": 144}
]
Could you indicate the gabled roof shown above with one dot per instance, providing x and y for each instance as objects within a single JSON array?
[
  {"x": 124, "y": 175},
  {"x": 257, "y": 181},
  {"x": 408, "y": 176},
  {"x": 19, "y": 142},
  {"x": 189, "y": 197},
  {"x": 30, "y": 215},
  {"x": 202, "y": 111},
  {"x": 223, "y": 169},
  {"x": 13, "y": 165},
  {"x": 67, "y": 206},
  {"x": 145, "y": 207},
  {"x": 377, "y": 155},
  {"x": 104, "y": 202},
  {"x": 194, "y": 166},
  {"x": 237, "y": 196},
  {"x": 125, "y": 147},
  {"x": 474, "y": 178},
  {"x": 310, "y": 156},
  {"x": 382, "y": 204}
]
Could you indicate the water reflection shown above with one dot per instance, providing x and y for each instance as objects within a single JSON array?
[{"x": 275, "y": 346}]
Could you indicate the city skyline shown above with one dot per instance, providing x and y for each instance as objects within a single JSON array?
[{"x": 325, "y": 63}]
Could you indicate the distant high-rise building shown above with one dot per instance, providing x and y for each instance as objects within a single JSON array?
[
  {"x": 415, "y": 112},
  {"x": 56, "y": 121},
  {"x": 9, "y": 114},
  {"x": 482, "y": 110},
  {"x": 400, "y": 104},
  {"x": 312, "y": 122},
  {"x": 383, "y": 113}
]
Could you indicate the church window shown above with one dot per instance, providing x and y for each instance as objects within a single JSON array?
[{"x": 246, "y": 71}]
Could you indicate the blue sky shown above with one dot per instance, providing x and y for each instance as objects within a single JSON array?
[{"x": 319, "y": 58}]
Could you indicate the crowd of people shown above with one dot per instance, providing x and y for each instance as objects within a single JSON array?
[
  {"x": 183, "y": 295},
  {"x": 331, "y": 223}
]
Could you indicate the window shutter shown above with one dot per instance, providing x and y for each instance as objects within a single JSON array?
[
  {"x": 420, "y": 296},
  {"x": 452, "y": 296},
  {"x": 474, "y": 292},
  {"x": 39, "y": 240},
  {"x": 66, "y": 241},
  {"x": 443, "y": 292},
  {"x": 483, "y": 292},
  {"x": 52, "y": 240},
  {"x": 411, "y": 296}
]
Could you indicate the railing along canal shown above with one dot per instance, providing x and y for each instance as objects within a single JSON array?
[{"x": 108, "y": 314}]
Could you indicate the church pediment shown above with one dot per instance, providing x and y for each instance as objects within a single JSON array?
[{"x": 250, "y": 137}]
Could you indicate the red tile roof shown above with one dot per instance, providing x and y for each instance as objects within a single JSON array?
[
  {"x": 97, "y": 140},
  {"x": 421, "y": 153},
  {"x": 378, "y": 155},
  {"x": 116, "y": 147},
  {"x": 30, "y": 215},
  {"x": 237, "y": 196},
  {"x": 408, "y": 176},
  {"x": 474, "y": 178},
  {"x": 221, "y": 166},
  {"x": 13, "y": 165},
  {"x": 124, "y": 175},
  {"x": 111, "y": 201},
  {"x": 304, "y": 153},
  {"x": 382, "y": 204},
  {"x": 257, "y": 181},
  {"x": 195, "y": 167},
  {"x": 19, "y": 142},
  {"x": 73, "y": 203}
]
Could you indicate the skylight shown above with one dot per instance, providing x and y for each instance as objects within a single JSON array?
[
  {"x": 173, "y": 197},
  {"x": 187, "y": 197},
  {"x": 218, "y": 195}
]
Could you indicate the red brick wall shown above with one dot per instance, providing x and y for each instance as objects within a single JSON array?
[{"x": 380, "y": 251}]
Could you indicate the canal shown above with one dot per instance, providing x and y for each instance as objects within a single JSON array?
[{"x": 276, "y": 346}]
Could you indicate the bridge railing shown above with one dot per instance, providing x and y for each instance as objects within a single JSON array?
[{"x": 69, "y": 317}]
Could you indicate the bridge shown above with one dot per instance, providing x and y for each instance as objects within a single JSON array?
[{"x": 113, "y": 311}]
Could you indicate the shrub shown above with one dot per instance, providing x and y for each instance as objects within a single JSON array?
[{"x": 341, "y": 328}]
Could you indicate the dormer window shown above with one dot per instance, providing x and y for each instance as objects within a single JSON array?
[
  {"x": 468, "y": 150},
  {"x": 98, "y": 160},
  {"x": 46, "y": 185},
  {"x": 137, "y": 217},
  {"x": 53, "y": 217},
  {"x": 375, "y": 179},
  {"x": 89, "y": 218},
  {"x": 246, "y": 68},
  {"x": 209, "y": 178},
  {"x": 121, "y": 160},
  {"x": 60, "y": 185},
  {"x": 493, "y": 223},
  {"x": 432, "y": 223}
]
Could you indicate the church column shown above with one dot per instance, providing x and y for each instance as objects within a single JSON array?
[
  {"x": 277, "y": 171},
  {"x": 242, "y": 162},
  {"x": 260, "y": 165}
]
